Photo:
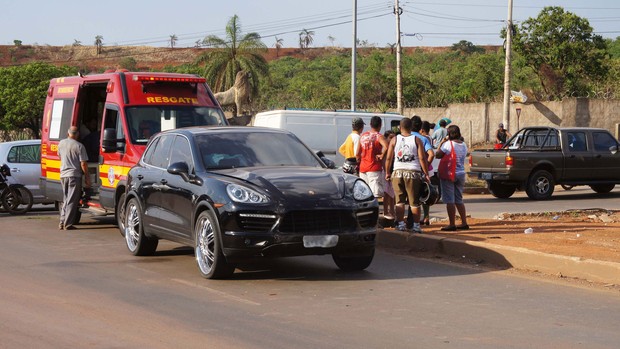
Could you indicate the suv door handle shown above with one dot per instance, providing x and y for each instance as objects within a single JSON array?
[
  {"x": 598, "y": 156},
  {"x": 140, "y": 176},
  {"x": 163, "y": 181}
]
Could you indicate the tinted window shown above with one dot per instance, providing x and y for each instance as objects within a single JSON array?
[
  {"x": 25, "y": 154},
  {"x": 161, "y": 152},
  {"x": 149, "y": 151},
  {"x": 182, "y": 152},
  {"x": 603, "y": 141},
  {"x": 226, "y": 150},
  {"x": 577, "y": 141},
  {"x": 536, "y": 139}
]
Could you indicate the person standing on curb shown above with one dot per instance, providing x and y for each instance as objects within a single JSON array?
[
  {"x": 73, "y": 165},
  {"x": 370, "y": 153},
  {"x": 452, "y": 192},
  {"x": 424, "y": 132},
  {"x": 406, "y": 152},
  {"x": 348, "y": 149},
  {"x": 439, "y": 134}
]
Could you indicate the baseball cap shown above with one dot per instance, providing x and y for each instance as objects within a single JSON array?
[
  {"x": 358, "y": 122},
  {"x": 501, "y": 125}
]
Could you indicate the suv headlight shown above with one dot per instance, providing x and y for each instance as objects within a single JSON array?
[
  {"x": 242, "y": 194},
  {"x": 361, "y": 191}
]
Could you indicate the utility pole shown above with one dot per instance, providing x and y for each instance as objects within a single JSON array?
[
  {"x": 399, "y": 74},
  {"x": 506, "y": 118},
  {"x": 354, "y": 56}
]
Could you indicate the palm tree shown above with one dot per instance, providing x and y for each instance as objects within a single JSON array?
[
  {"x": 233, "y": 54},
  {"x": 173, "y": 40},
  {"x": 305, "y": 38},
  {"x": 331, "y": 39},
  {"x": 98, "y": 43},
  {"x": 278, "y": 45}
]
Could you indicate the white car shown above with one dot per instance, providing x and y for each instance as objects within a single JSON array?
[{"x": 24, "y": 160}]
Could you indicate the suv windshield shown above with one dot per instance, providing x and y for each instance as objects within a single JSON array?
[
  {"x": 145, "y": 121},
  {"x": 245, "y": 149}
]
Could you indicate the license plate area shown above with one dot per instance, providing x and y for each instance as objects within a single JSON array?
[
  {"x": 320, "y": 241},
  {"x": 486, "y": 176}
]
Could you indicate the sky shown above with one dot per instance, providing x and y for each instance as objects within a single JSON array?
[{"x": 152, "y": 22}]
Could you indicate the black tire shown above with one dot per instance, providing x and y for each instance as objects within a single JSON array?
[
  {"x": 211, "y": 261},
  {"x": 17, "y": 199},
  {"x": 120, "y": 214},
  {"x": 567, "y": 187},
  {"x": 137, "y": 243},
  {"x": 353, "y": 263},
  {"x": 501, "y": 191},
  {"x": 540, "y": 185},
  {"x": 603, "y": 188}
]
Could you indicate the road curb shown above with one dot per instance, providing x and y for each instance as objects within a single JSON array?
[{"x": 502, "y": 256}]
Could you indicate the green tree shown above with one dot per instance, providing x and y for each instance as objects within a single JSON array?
[
  {"x": 128, "y": 63},
  {"x": 563, "y": 51},
  {"x": 229, "y": 56},
  {"x": 17, "y": 43},
  {"x": 22, "y": 94},
  {"x": 466, "y": 47}
]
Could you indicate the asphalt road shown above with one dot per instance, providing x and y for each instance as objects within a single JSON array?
[
  {"x": 487, "y": 206},
  {"x": 82, "y": 288}
]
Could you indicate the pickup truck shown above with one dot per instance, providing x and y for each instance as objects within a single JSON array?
[{"x": 536, "y": 159}]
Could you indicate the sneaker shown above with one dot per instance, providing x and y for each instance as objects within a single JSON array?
[
  {"x": 401, "y": 226},
  {"x": 416, "y": 228}
]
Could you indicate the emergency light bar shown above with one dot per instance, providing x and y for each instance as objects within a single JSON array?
[{"x": 146, "y": 78}]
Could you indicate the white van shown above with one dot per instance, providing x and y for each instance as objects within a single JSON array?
[{"x": 322, "y": 130}]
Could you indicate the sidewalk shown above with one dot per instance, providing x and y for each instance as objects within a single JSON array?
[{"x": 548, "y": 251}]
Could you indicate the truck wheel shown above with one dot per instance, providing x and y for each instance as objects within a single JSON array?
[
  {"x": 540, "y": 185},
  {"x": 602, "y": 188},
  {"x": 501, "y": 191}
]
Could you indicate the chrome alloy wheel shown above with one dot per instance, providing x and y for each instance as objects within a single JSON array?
[
  {"x": 132, "y": 226},
  {"x": 205, "y": 245}
]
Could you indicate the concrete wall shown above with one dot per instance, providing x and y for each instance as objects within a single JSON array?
[{"x": 479, "y": 121}]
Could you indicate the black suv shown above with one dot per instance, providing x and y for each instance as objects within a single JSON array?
[{"x": 234, "y": 193}]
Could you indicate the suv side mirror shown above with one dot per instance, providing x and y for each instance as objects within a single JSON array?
[
  {"x": 613, "y": 149},
  {"x": 109, "y": 143},
  {"x": 180, "y": 169}
]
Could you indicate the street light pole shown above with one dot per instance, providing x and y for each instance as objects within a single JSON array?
[
  {"x": 399, "y": 74},
  {"x": 354, "y": 56},
  {"x": 506, "y": 116}
]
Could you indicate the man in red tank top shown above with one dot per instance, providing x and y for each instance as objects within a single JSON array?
[{"x": 370, "y": 152}]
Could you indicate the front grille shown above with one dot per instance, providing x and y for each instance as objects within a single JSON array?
[
  {"x": 256, "y": 222},
  {"x": 318, "y": 221}
]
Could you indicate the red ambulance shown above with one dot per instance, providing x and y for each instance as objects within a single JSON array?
[{"x": 116, "y": 113}]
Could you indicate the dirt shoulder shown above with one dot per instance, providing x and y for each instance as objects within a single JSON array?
[{"x": 587, "y": 234}]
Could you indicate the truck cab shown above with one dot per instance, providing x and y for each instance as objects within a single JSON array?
[{"x": 116, "y": 113}]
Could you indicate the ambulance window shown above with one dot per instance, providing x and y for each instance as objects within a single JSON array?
[{"x": 62, "y": 111}]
